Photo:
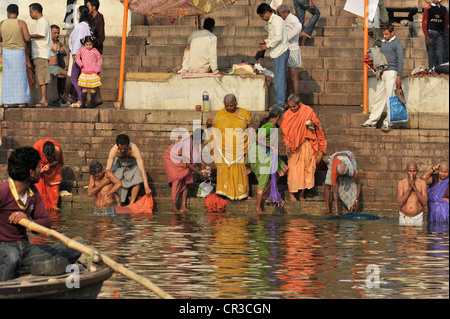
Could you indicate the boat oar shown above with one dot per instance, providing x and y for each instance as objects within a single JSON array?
[{"x": 88, "y": 251}]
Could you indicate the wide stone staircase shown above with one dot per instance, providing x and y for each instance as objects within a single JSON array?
[
  {"x": 87, "y": 135},
  {"x": 331, "y": 73},
  {"x": 330, "y": 79}
]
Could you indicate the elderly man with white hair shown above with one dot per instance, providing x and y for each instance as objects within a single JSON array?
[
  {"x": 342, "y": 177},
  {"x": 293, "y": 27}
]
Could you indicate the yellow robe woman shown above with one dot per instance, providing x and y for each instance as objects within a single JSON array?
[{"x": 230, "y": 152}]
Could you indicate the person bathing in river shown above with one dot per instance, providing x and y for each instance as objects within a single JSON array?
[
  {"x": 180, "y": 160},
  {"x": 126, "y": 163},
  {"x": 104, "y": 185},
  {"x": 411, "y": 197},
  {"x": 438, "y": 194}
]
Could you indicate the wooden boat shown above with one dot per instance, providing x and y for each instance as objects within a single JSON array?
[{"x": 50, "y": 287}]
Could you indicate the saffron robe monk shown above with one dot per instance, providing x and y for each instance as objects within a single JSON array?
[
  {"x": 52, "y": 161},
  {"x": 305, "y": 145}
]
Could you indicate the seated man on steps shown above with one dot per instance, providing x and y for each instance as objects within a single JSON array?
[
  {"x": 57, "y": 66},
  {"x": 19, "y": 198},
  {"x": 125, "y": 161},
  {"x": 200, "y": 56},
  {"x": 104, "y": 185}
]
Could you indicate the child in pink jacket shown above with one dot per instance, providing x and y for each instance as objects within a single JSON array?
[{"x": 90, "y": 62}]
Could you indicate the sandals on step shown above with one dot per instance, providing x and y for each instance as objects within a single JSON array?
[{"x": 75, "y": 105}]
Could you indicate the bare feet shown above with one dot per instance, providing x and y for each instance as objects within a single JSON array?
[
  {"x": 302, "y": 199},
  {"x": 184, "y": 210},
  {"x": 292, "y": 198},
  {"x": 56, "y": 208},
  {"x": 304, "y": 34},
  {"x": 258, "y": 211}
]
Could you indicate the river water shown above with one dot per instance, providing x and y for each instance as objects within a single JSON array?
[{"x": 202, "y": 256}]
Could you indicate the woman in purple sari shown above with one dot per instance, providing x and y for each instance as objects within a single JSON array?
[{"x": 438, "y": 194}]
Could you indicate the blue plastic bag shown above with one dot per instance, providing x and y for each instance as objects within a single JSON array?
[{"x": 397, "y": 110}]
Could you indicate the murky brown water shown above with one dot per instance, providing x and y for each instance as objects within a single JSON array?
[{"x": 272, "y": 256}]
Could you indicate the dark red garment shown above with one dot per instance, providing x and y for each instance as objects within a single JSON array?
[
  {"x": 99, "y": 32},
  {"x": 35, "y": 210}
]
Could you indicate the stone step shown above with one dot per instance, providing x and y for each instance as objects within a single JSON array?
[
  {"x": 431, "y": 125},
  {"x": 196, "y": 205}
]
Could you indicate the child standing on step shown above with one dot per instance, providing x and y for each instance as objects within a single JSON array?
[{"x": 90, "y": 62}]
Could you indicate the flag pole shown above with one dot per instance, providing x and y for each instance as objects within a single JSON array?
[
  {"x": 366, "y": 48},
  {"x": 119, "y": 103}
]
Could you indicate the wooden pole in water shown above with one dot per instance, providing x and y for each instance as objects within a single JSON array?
[
  {"x": 366, "y": 48},
  {"x": 88, "y": 251}
]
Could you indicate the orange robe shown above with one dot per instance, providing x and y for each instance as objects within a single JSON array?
[
  {"x": 48, "y": 184},
  {"x": 304, "y": 143}
]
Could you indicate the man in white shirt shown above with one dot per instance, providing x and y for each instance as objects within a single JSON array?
[
  {"x": 277, "y": 43},
  {"x": 294, "y": 27},
  {"x": 41, "y": 43},
  {"x": 201, "y": 56}
]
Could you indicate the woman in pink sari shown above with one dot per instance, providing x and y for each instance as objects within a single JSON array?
[{"x": 180, "y": 159}]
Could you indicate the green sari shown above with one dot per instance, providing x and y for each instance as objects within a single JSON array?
[{"x": 260, "y": 157}]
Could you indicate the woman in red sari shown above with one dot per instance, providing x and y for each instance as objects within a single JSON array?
[
  {"x": 52, "y": 161},
  {"x": 180, "y": 159}
]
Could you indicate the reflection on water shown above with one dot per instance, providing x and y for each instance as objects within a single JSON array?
[{"x": 269, "y": 256}]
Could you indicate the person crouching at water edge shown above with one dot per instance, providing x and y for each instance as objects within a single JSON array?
[
  {"x": 263, "y": 150},
  {"x": 180, "y": 160},
  {"x": 126, "y": 163},
  {"x": 52, "y": 161},
  {"x": 228, "y": 131},
  {"x": 342, "y": 178},
  {"x": 104, "y": 185},
  {"x": 411, "y": 197}
]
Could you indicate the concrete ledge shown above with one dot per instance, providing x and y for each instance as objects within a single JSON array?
[
  {"x": 424, "y": 94},
  {"x": 174, "y": 92}
]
